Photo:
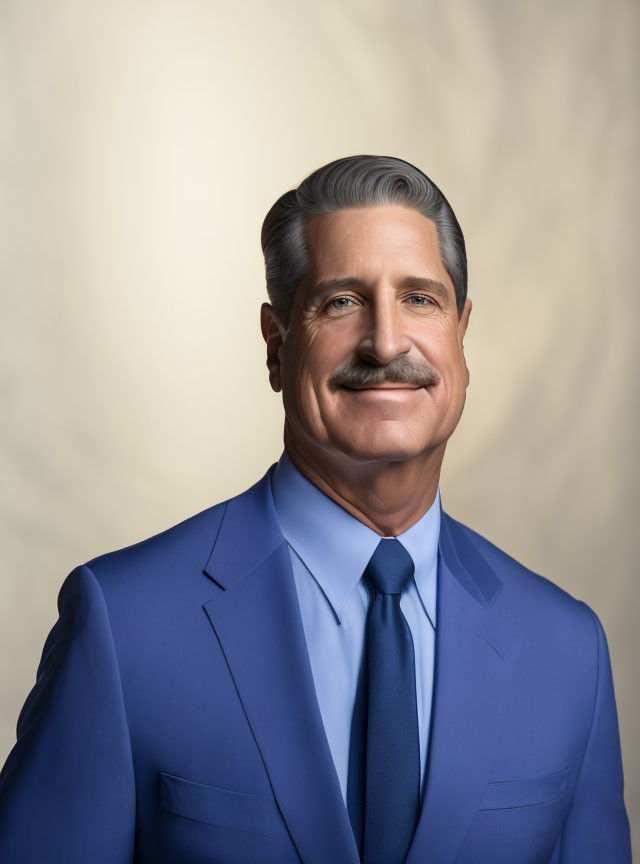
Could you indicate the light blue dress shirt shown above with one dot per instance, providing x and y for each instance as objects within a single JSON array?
[{"x": 329, "y": 550}]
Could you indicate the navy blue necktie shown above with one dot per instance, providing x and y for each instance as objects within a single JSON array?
[{"x": 383, "y": 788}]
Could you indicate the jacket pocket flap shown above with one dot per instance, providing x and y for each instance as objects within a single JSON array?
[
  {"x": 524, "y": 793},
  {"x": 225, "y": 808}
]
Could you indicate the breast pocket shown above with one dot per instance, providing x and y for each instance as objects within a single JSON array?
[
  {"x": 518, "y": 820},
  {"x": 223, "y": 808},
  {"x": 518, "y": 810},
  {"x": 511, "y": 794}
]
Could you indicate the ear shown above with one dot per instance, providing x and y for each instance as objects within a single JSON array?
[
  {"x": 462, "y": 329},
  {"x": 274, "y": 333}
]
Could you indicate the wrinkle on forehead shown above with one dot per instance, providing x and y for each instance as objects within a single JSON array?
[{"x": 363, "y": 243}]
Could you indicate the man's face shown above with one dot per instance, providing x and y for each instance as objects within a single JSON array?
[{"x": 372, "y": 365}]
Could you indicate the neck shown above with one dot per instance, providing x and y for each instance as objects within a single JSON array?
[{"x": 387, "y": 496}]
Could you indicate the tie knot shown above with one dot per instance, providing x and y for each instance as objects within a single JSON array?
[{"x": 390, "y": 567}]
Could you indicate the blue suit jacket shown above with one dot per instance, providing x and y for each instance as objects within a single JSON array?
[{"x": 174, "y": 717}]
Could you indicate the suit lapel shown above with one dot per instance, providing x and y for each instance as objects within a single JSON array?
[
  {"x": 258, "y": 624},
  {"x": 476, "y": 657}
]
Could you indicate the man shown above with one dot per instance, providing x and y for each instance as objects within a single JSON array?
[{"x": 328, "y": 667}]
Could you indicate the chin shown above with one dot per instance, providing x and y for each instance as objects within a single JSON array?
[{"x": 381, "y": 448}]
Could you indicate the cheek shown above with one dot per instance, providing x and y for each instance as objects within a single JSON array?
[
  {"x": 306, "y": 369},
  {"x": 316, "y": 359},
  {"x": 443, "y": 351},
  {"x": 440, "y": 348}
]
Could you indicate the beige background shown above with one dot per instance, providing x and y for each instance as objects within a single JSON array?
[{"x": 142, "y": 144}]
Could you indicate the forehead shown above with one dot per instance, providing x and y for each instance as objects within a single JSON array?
[{"x": 390, "y": 240}]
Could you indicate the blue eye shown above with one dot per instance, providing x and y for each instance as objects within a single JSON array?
[
  {"x": 337, "y": 300},
  {"x": 420, "y": 297}
]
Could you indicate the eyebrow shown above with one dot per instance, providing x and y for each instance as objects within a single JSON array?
[{"x": 408, "y": 282}]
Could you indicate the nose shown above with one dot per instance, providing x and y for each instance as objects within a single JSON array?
[{"x": 386, "y": 336}]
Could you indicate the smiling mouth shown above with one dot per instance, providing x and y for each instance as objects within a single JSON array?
[{"x": 387, "y": 388}]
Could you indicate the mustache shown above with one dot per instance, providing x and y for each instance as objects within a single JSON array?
[{"x": 401, "y": 370}]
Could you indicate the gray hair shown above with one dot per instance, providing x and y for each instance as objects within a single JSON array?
[{"x": 355, "y": 181}]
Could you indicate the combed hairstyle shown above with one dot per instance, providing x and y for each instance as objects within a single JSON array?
[{"x": 355, "y": 181}]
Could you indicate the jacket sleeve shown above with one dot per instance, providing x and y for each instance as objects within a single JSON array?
[
  {"x": 67, "y": 792},
  {"x": 597, "y": 828}
]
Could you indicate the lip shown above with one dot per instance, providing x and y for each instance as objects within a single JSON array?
[{"x": 382, "y": 389}]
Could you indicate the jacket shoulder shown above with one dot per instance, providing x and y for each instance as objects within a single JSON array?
[
  {"x": 527, "y": 593},
  {"x": 184, "y": 546}
]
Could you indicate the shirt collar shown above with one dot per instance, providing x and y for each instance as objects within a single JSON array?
[{"x": 336, "y": 547}]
